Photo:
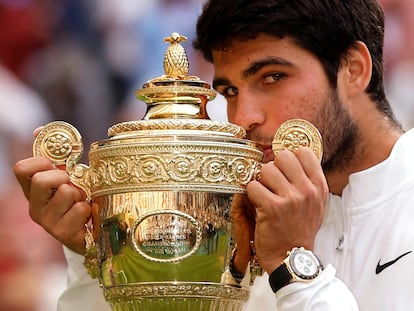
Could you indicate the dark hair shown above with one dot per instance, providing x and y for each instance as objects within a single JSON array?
[{"x": 326, "y": 28}]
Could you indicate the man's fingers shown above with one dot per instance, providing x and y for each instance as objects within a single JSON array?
[
  {"x": 44, "y": 186},
  {"x": 75, "y": 218},
  {"x": 37, "y": 131},
  {"x": 25, "y": 169},
  {"x": 290, "y": 166},
  {"x": 292, "y": 171},
  {"x": 262, "y": 198},
  {"x": 279, "y": 176},
  {"x": 51, "y": 197},
  {"x": 54, "y": 203},
  {"x": 272, "y": 178},
  {"x": 311, "y": 166},
  {"x": 64, "y": 216}
]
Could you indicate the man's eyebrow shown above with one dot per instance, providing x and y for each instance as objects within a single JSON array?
[
  {"x": 220, "y": 81},
  {"x": 253, "y": 68},
  {"x": 257, "y": 65}
]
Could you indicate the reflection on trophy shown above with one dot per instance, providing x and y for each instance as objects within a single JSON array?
[{"x": 163, "y": 187}]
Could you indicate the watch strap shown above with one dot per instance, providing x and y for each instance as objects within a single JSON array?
[{"x": 280, "y": 277}]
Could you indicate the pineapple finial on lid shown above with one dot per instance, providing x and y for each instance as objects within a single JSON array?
[
  {"x": 175, "y": 94},
  {"x": 175, "y": 58}
]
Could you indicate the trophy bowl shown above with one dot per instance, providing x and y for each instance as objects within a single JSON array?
[{"x": 162, "y": 190}]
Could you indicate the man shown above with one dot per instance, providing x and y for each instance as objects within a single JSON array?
[{"x": 318, "y": 60}]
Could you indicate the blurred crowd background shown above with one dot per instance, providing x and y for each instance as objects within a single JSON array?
[{"x": 82, "y": 61}]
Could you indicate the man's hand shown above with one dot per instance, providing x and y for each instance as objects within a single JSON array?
[
  {"x": 290, "y": 201},
  {"x": 54, "y": 203},
  {"x": 243, "y": 216}
]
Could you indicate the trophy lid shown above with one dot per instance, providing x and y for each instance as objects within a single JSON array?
[{"x": 176, "y": 100}]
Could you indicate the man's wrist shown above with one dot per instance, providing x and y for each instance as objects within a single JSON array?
[{"x": 300, "y": 265}]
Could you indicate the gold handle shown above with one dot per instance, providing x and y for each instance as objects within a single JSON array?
[
  {"x": 295, "y": 133},
  {"x": 62, "y": 143}
]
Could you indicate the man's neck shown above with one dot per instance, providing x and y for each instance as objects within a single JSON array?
[{"x": 374, "y": 146}]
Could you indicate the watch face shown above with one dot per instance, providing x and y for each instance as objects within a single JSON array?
[{"x": 304, "y": 264}]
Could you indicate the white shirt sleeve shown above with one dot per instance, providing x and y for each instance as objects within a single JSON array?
[
  {"x": 325, "y": 293},
  {"x": 82, "y": 292}
]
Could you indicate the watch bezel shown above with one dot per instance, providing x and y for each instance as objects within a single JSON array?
[{"x": 298, "y": 271}]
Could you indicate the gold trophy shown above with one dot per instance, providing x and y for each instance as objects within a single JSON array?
[{"x": 163, "y": 187}]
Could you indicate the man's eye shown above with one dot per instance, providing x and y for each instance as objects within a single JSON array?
[
  {"x": 274, "y": 77},
  {"x": 230, "y": 91}
]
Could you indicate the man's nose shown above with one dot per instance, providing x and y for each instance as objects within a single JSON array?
[{"x": 246, "y": 112}]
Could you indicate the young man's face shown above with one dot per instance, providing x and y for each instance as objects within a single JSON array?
[{"x": 267, "y": 81}]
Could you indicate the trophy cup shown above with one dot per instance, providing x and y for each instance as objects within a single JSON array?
[{"x": 163, "y": 187}]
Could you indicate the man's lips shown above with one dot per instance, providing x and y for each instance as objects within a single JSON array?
[
  {"x": 268, "y": 154},
  {"x": 266, "y": 146}
]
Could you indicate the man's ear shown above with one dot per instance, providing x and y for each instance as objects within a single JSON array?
[{"x": 356, "y": 69}]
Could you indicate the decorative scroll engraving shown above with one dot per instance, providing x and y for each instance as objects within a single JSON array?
[
  {"x": 182, "y": 168},
  {"x": 187, "y": 169}
]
